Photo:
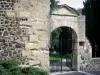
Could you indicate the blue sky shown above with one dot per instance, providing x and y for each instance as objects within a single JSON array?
[{"x": 73, "y": 3}]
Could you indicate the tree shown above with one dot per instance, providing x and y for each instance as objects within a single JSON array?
[
  {"x": 92, "y": 14},
  {"x": 54, "y": 4},
  {"x": 54, "y": 40},
  {"x": 79, "y": 10},
  {"x": 61, "y": 40}
]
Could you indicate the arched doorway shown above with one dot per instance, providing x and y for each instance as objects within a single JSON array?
[{"x": 63, "y": 49}]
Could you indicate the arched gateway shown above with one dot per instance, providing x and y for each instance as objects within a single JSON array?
[
  {"x": 66, "y": 18},
  {"x": 63, "y": 49}
]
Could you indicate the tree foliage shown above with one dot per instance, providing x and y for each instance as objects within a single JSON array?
[
  {"x": 54, "y": 4},
  {"x": 61, "y": 40},
  {"x": 92, "y": 14},
  {"x": 79, "y": 10},
  {"x": 55, "y": 38}
]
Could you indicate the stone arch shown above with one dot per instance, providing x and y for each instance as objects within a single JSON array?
[{"x": 73, "y": 39}]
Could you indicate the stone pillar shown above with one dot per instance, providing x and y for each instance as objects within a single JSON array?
[{"x": 35, "y": 14}]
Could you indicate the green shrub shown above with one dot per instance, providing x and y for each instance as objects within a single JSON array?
[
  {"x": 2, "y": 70},
  {"x": 16, "y": 71},
  {"x": 28, "y": 71},
  {"x": 43, "y": 72},
  {"x": 34, "y": 71},
  {"x": 8, "y": 64},
  {"x": 10, "y": 67}
]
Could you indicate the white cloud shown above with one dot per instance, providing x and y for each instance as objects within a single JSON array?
[{"x": 73, "y": 3}]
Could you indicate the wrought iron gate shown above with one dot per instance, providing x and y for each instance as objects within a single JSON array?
[
  {"x": 60, "y": 61},
  {"x": 63, "y": 52}
]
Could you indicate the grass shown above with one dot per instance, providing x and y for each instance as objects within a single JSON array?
[{"x": 57, "y": 57}]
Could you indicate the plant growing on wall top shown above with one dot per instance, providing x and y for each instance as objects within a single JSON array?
[{"x": 54, "y": 4}]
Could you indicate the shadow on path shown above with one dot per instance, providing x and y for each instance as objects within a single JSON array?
[{"x": 64, "y": 65}]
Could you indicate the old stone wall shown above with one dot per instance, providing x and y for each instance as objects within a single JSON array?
[
  {"x": 85, "y": 50},
  {"x": 24, "y": 31},
  {"x": 86, "y": 61},
  {"x": 10, "y": 31},
  {"x": 64, "y": 21},
  {"x": 85, "y": 55},
  {"x": 94, "y": 64}
]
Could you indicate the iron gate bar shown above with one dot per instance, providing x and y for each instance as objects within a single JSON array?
[{"x": 61, "y": 55}]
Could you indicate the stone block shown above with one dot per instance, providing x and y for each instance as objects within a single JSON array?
[
  {"x": 43, "y": 33},
  {"x": 31, "y": 46},
  {"x": 26, "y": 23},
  {"x": 24, "y": 39},
  {"x": 44, "y": 59},
  {"x": 40, "y": 54},
  {"x": 24, "y": 14},
  {"x": 34, "y": 63},
  {"x": 43, "y": 38},
  {"x": 26, "y": 53},
  {"x": 35, "y": 53},
  {"x": 33, "y": 38},
  {"x": 42, "y": 45},
  {"x": 18, "y": 7},
  {"x": 39, "y": 24},
  {"x": 11, "y": 14}
]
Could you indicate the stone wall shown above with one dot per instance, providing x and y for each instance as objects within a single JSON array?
[
  {"x": 24, "y": 31},
  {"x": 85, "y": 55},
  {"x": 64, "y": 21},
  {"x": 94, "y": 65},
  {"x": 85, "y": 50},
  {"x": 10, "y": 31}
]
